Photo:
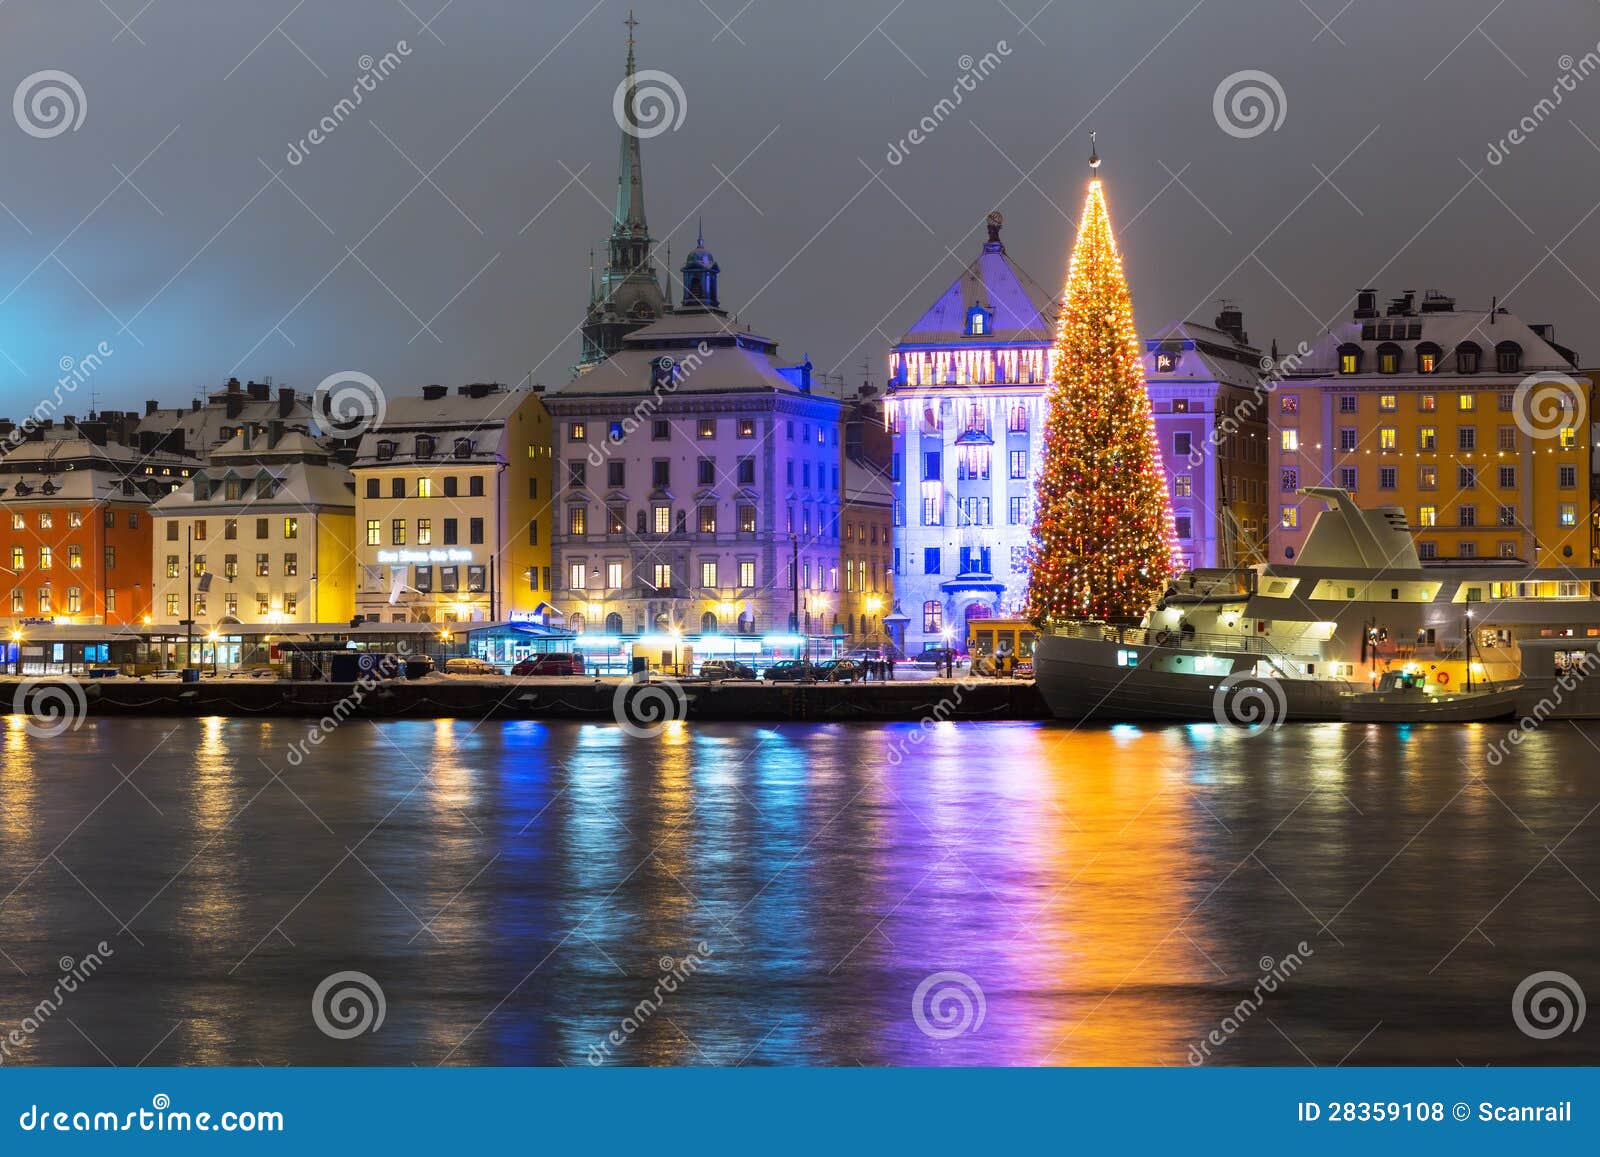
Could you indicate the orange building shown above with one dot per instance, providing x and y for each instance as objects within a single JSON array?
[{"x": 75, "y": 528}]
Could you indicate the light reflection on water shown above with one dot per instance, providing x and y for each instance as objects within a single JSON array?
[{"x": 519, "y": 890}]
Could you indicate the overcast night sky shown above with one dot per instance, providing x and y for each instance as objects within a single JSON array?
[{"x": 202, "y": 264}]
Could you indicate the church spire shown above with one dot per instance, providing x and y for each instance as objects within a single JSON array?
[{"x": 630, "y": 173}]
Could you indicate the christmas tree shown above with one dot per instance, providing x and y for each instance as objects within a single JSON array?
[{"x": 1103, "y": 539}]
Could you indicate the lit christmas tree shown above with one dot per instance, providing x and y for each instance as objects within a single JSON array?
[{"x": 1103, "y": 538}]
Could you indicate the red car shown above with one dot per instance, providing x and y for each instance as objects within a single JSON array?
[{"x": 554, "y": 663}]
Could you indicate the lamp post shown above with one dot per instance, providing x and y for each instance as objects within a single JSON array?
[
  {"x": 794, "y": 583},
  {"x": 213, "y": 638},
  {"x": 1466, "y": 636},
  {"x": 16, "y": 641}
]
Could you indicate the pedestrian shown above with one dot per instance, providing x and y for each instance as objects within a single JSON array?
[{"x": 889, "y": 663}]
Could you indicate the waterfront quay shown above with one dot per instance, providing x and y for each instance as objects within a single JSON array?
[{"x": 643, "y": 706}]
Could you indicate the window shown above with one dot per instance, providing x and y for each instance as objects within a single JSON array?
[
  {"x": 397, "y": 488},
  {"x": 449, "y": 532},
  {"x": 1466, "y": 403},
  {"x": 577, "y": 432},
  {"x": 372, "y": 488},
  {"x": 747, "y": 574},
  {"x": 662, "y": 519},
  {"x": 616, "y": 474},
  {"x": 462, "y": 448},
  {"x": 397, "y": 532},
  {"x": 1017, "y": 419},
  {"x": 1183, "y": 524},
  {"x": 932, "y": 617},
  {"x": 263, "y": 565},
  {"x": 1347, "y": 439},
  {"x": 1508, "y": 515},
  {"x": 1388, "y": 403},
  {"x": 449, "y": 580},
  {"x": 932, "y": 465},
  {"x": 747, "y": 427},
  {"x": 1466, "y": 477},
  {"x": 1347, "y": 477},
  {"x": 172, "y": 607},
  {"x": 1427, "y": 361},
  {"x": 707, "y": 428},
  {"x": 932, "y": 504},
  {"x": 662, "y": 574},
  {"x": 44, "y": 558},
  {"x": 1289, "y": 403},
  {"x": 450, "y": 486},
  {"x": 1388, "y": 438},
  {"x": 930, "y": 560},
  {"x": 475, "y": 531},
  {"x": 291, "y": 565},
  {"x": 660, "y": 430},
  {"x": 1019, "y": 464},
  {"x": 1182, "y": 441},
  {"x": 1017, "y": 513},
  {"x": 75, "y": 553},
  {"x": 1388, "y": 477},
  {"x": 422, "y": 579},
  {"x": 1427, "y": 438},
  {"x": 1289, "y": 440},
  {"x": 708, "y": 521},
  {"x": 230, "y": 528},
  {"x": 1388, "y": 359},
  {"x": 747, "y": 472},
  {"x": 475, "y": 486},
  {"x": 263, "y": 528},
  {"x": 708, "y": 574},
  {"x": 1289, "y": 517},
  {"x": 1347, "y": 403},
  {"x": 1182, "y": 485},
  {"x": 385, "y": 450},
  {"x": 1567, "y": 514},
  {"x": 230, "y": 567},
  {"x": 616, "y": 520},
  {"x": 1427, "y": 403},
  {"x": 661, "y": 473},
  {"x": 1428, "y": 477},
  {"x": 1349, "y": 360},
  {"x": 291, "y": 527},
  {"x": 1566, "y": 477},
  {"x": 424, "y": 487},
  {"x": 577, "y": 473},
  {"x": 747, "y": 518},
  {"x": 1468, "y": 356},
  {"x": 1289, "y": 479},
  {"x": 425, "y": 531},
  {"x": 1467, "y": 550},
  {"x": 200, "y": 529},
  {"x": 174, "y": 566},
  {"x": 577, "y": 576},
  {"x": 614, "y": 576},
  {"x": 1466, "y": 437},
  {"x": 1508, "y": 357},
  {"x": 1508, "y": 477},
  {"x": 707, "y": 472},
  {"x": 1508, "y": 550},
  {"x": 1467, "y": 515},
  {"x": 1427, "y": 516},
  {"x": 17, "y": 562}
]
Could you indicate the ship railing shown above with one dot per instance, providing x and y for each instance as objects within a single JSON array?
[{"x": 1164, "y": 639}]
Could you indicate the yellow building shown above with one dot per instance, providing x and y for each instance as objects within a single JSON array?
[
  {"x": 262, "y": 534},
  {"x": 453, "y": 507},
  {"x": 1474, "y": 423}
]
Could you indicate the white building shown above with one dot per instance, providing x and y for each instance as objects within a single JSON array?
[{"x": 969, "y": 384}]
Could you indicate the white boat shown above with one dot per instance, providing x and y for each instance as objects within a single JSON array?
[
  {"x": 1408, "y": 697},
  {"x": 1282, "y": 642}
]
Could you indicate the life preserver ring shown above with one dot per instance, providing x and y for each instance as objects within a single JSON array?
[{"x": 1443, "y": 679}]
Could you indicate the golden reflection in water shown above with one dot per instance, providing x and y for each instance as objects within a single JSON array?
[
  {"x": 210, "y": 890},
  {"x": 451, "y": 792},
  {"x": 1122, "y": 935},
  {"x": 21, "y": 840}
]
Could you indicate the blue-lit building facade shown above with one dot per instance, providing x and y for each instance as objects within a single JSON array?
[{"x": 969, "y": 386}]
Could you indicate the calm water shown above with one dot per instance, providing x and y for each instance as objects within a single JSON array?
[{"x": 514, "y": 887}]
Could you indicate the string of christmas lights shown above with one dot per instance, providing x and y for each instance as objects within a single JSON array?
[{"x": 1104, "y": 543}]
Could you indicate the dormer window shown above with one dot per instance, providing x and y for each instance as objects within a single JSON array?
[
  {"x": 1468, "y": 356},
  {"x": 978, "y": 322},
  {"x": 1388, "y": 358},
  {"x": 1428, "y": 356},
  {"x": 385, "y": 450},
  {"x": 1508, "y": 357},
  {"x": 424, "y": 446},
  {"x": 463, "y": 448},
  {"x": 1349, "y": 359}
]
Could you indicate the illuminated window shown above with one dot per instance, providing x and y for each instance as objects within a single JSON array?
[
  {"x": 708, "y": 574},
  {"x": 577, "y": 432},
  {"x": 708, "y": 520},
  {"x": 397, "y": 532},
  {"x": 1289, "y": 440},
  {"x": 577, "y": 519},
  {"x": 291, "y": 565},
  {"x": 1427, "y": 403},
  {"x": 1427, "y": 362},
  {"x": 75, "y": 553},
  {"x": 1289, "y": 403},
  {"x": 424, "y": 487},
  {"x": 1388, "y": 438},
  {"x": 1182, "y": 485},
  {"x": 932, "y": 617},
  {"x": 424, "y": 531},
  {"x": 1289, "y": 517},
  {"x": 662, "y": 573},
  {"x": 1466, "y": 402},
  {"x": 374, "y": 532},
  {"x": 577, "y": 576},
  {"x": 663, "y": 519},
  {"x": 291, "y": 527},
  {"x": 1427, "y": 516},
  {"x": 1569, "y": 437},
  {"x": 707, "y": 428},
  {"x": 1568, "y": 514},
  {"x": 1349, "y": 363},
  {"x": 44, "y": 558},
  {"x": 747, "y": 518},
  {"x": 1388, "y": 403},
  {"x": 1427, "y": 438},
  {"x": 1428, "y": 477}
]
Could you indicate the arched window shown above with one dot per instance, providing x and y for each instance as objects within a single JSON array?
[
  {"x": 1017, "y": 420},
  {"x": 932, "y": 616},
  {"x": 747, "y": 624},
  {"x": 1429, "y": 356},
  {"x": 708, "y": 624},
  {"x": 1350, "y": 358},
  {"x": 1468, "y": 357},
  {"x": 1388, "y": 358},
  {"x": 977, "y": 321},
  {"x": 1508, "y": 358},
  {"x": 576, "y": 622},
  {"x": 613, "y": 624}
]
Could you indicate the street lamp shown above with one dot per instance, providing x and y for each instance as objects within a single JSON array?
[
  {"x": 213, "y": 638},
  {"x": 16, "y": 641}
]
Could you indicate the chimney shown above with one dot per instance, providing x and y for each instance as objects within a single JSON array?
[
  {"x": 1366, "y": 304},
  {"x": 150, "y": 407},
  {"x": 259, "y": 391},
  {"x": 235, "y": 403},
  {"x": 285, "y": 401},
  {"x": 1231, "y": 321},
  {"x": 434, "y": 393},
  {"x": 274, "y": 433},
  {"x": 194, "y": 406}
]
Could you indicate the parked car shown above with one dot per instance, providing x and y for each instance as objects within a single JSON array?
[
  {"x": 865, "y": 655},
  {"x": 841, "y": 671},
  {"x": 933, "y": 658},
  {"x": 790, "y": 671},
  {"x": 725, "y": 669},
  {"x": 466, "y": 665},
  {"x": 553, "y": 663}
]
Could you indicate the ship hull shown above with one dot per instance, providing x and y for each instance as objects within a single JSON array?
[{"x": 1080, "y": 679}]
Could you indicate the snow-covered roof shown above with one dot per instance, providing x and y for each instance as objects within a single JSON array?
[{"x": 1022, "y": 310}]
